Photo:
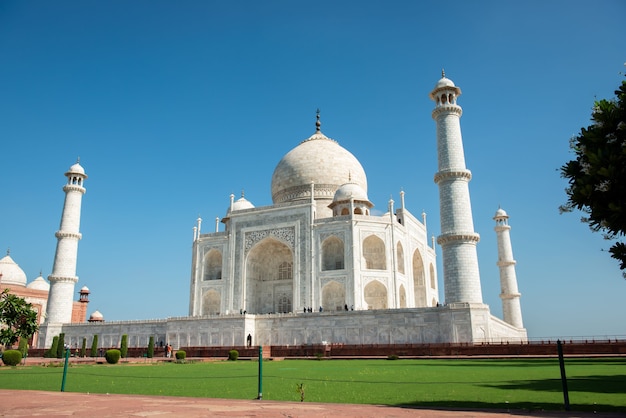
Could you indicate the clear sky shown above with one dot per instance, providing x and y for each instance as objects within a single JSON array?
[{"x": 173, "y": 106}]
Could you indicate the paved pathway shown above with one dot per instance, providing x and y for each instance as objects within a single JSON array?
[{"x": 25, "y": 403}]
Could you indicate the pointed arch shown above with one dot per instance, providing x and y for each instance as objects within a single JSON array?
[
  {"x": 333, "y": 254},
  {"x": 375, "y": 294},
  {"x": 213, "y": 265},
  {"x": 333, "y": 296},
  {"x": 374, "y": 253},
  {"x": 433, "y": 278},
  {"x": 269, "y": 277},
  {"x": 211, "y": 302},
  {"x": 419, "y": 284},
  {"x": 402, "y": 292},
  {"x": 400, "y": 257}
]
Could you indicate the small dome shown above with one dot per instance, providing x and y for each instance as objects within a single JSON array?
[
  {"x": 500, "y": 213},
  {"x": 350, "y": 191},
  {"x": 242, "y": 203},
  {"x": 11, "y": 272},
  {"x": 76, "y": 168},
  {"x": 444, "y": 82},
  {"x": 39, "y": 284},
  {"x": 84, "y": 289},
  {"x": 96, "y": 316}
]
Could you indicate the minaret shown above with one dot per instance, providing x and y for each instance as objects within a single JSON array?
[
  {"x": 63, "y": 277},
  {"x": 458, "y": 240},
  {"x": 511, "y": 309}
]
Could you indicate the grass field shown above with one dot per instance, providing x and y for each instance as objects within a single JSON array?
[{"x": 594, "y": 384}]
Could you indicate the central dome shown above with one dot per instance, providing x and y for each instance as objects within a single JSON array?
[{"x": 318, "y": 160}]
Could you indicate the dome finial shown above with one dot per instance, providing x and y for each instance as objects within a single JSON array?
[
  {"x": 318, "y": 124},
  {"x": 242, "y": 193},
  {"x": 443, "y": 73},
  {"x": 8, "y": 251}
]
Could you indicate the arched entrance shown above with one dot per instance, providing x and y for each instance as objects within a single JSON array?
[
  {"x": 269, "y": 278},
  {"x": 375, "y": 295}
]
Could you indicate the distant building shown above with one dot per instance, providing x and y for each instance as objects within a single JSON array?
[{"x": 36, "y": 293}]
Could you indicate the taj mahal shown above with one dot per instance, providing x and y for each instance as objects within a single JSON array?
[{"x": 317, "y": 265}]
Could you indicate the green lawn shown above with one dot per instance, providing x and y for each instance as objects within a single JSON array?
[{"x": 594, "y": 384}]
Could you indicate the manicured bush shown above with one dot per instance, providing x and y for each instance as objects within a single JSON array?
[
  {"x": 151, "y": 347},
  {"x": 61, "y": 346},
  {"x": 52, "y": 351},
  {"x": 392, "y": 357},
  {"x": 83, "y": 348},
  {"x": 11, "y": 357},
  {"x": 124, "y": 346},
  {"x": 112, "y": 356},
  {"x": 94, "y": 346},
  {"x": 233, "y": 355},
  {"x": 181, "y": 355},
  {"x": 23, "y": 347}
]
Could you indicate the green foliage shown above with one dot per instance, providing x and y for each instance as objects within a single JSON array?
[
  {"x": 52, "y": 351},
  {"x": 23, "y": 347},
  {"x": 151, "y": 347},
  {"x": 596, "y": 384},
  {"x": 112, "y": 356},
  {"x": 392, "y": 357},
  {"x": 94, "y": 346},
  {"x": 12, "y": 357},
  {"x": 319, "y": 356},
  {"x": 17, "y": 317},
  {"x": 596, "y": 177},
  {"x": 300, "y": 390},
  {"x": 124, "y": 346},
  {"x": 61, "y": 346},
  {"x": 83, "y": 348},
  {"x": 181, "y": 355},
  {"x": 233, "y": 355}
]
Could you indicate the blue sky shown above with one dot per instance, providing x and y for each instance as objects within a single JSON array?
[{"x": 173, "y": 106}]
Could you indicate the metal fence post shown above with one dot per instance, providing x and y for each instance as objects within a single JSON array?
[{"x": 260, "y": 397}]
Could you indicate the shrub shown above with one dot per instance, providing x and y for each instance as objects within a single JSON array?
[
  {"x": 181, "y": 355},
  {"x": 11, "y": 357},
  {"x": 392, "y": 357},
  {"x": 233, "y": 355},
  {"x": 112, "y": 356},
  {"x": 83, "y": 348},
  {"x": 52, "y": 351},
  {"x": 151, "y": 347},
  {"x": 94, "y": 346},
  {"x": 61, "y": 346},
  {"x": 23, "y": 347},
  {"x": 124, "y": 346}
]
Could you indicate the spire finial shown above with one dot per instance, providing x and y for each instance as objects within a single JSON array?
[
  {"x": 8, "y": 251},
  {"x": 318, "y": 124},
  {"x": 443, "y": 73},
  {"x": 242, "y": 193}
]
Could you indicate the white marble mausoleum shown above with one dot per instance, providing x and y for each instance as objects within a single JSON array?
[{"x": 318, "y": 266}]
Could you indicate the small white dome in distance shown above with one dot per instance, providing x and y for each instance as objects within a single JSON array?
[
  {"x": 350, "y": 191},
  {"x": 242, "y": 203},
  {"x": 96, "y": 316},
  {"x": 11, "y": 272},
  {"x": 39, "y": 284},
  {"x": 500, "y": 213}
]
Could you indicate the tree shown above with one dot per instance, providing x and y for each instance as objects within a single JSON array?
[
  {"x": 124, "y": 346},
  {"x": 597, "y": 176},
  {"x": 17, "y": 317},
  {"x": 94, "y": 346}
]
